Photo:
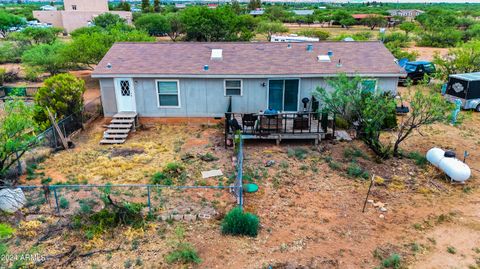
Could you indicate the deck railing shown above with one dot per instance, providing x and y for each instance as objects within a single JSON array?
[{"x": 280, "y": 123}]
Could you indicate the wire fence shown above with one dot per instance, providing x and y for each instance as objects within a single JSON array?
[
  {"x": 70, "y": 124},
  {"x": 167, "y": 202},
  {"x": 238, "y": 185}
]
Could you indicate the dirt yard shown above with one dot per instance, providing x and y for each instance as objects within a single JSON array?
[{"x": 309, "y": 202}]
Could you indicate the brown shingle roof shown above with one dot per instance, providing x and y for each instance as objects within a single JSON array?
[{"x": 248, "y": 59}]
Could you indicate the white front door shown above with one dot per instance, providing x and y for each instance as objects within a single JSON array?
[{"x": 125, "y": 95}]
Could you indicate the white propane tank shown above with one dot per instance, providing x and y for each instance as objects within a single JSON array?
[
  {"x": 453, "y": 167},
  {"x": 435, "y": 155}
]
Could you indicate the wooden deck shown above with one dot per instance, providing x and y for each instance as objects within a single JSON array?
[{"x": 284, "y": 126}]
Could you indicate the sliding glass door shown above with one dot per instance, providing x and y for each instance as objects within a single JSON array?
[{"x": 283, "y": 94}]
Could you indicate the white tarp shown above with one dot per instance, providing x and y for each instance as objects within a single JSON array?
[{"x": 12, "y": 200}]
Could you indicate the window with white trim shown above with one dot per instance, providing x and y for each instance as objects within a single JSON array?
[
  {"x": 168, "y": 93},
  {"x": 233, "y": 87}
]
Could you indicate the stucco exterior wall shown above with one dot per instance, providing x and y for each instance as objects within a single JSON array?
[
  {"x": 86, "y": 5},
  {"x": 206, "y": 97},
  {"x": 71, "y": 20}
]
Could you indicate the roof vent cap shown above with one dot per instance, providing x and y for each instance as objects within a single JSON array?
[
  {"x": 205, "y": 67},
  {"x": 330, "y": 53},
  {"x": 217, "y": 54},
  {"x": 289, "y": 46},
  {"x": 309, "y": 47},
  {"x": 109, "y": 66},
  {"x": 323, "y": 58}
]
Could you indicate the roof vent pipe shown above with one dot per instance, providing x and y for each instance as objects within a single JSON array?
[
  {"x": 339, "y": 64},
  {"x": 205, "y": 67},
  {"x": 289, "y": 46},
  {"x": 309, "y": 47},
  {"x": 330, "y": 53}
]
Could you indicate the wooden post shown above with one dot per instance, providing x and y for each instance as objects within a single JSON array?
[
  {"x": 368, "y": 193},
  {"x": 55, "y": 126}
]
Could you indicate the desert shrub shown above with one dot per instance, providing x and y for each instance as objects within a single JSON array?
[
  {"x": 400, "y": 54},
  {"x": 322, "y": 35},
  {"x": 394, "y": 261},
  {"x": 419, "y": 159},
  {"x": 6, "y": 231},
  {"x": 354, "y": 170},
  {"x": 237, "y": 222},
  {"x": 31, "y": 73},
  {"x": 2, "y": 76},
  {"x": 160, "y": 178},
  {"x": 185, "y": 253},
  {"x": 208, "y": 157},
  {"x": 86, "y": 205},
  {"x": 298, "y": 153},
  {"x": 440, "y": 39},
  {"x": 341, "y": 123},
  {"x": 10, "y": 52},
  {"x": 361, "y": 36},
  {"x": 353, "y": 153},
  {"x": 399, "y": 39},
  {"x": 63, "y": 203},
  {"x": 173, "y": 169},
  {"x": 3, "y": 250}
]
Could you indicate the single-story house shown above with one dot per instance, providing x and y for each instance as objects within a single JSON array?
[
  {"x": 193, "y": 79},
  {"x": 406, "y": 13},
  {"x": 302, "y": 12}
]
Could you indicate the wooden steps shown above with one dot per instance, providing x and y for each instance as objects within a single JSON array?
[{"x": 119, "y": 128}]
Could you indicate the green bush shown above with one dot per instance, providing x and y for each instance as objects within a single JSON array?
[
  {"x": 173, "y": 169},
  {"x": 185, "y": 253},
  {"x": 299, "y": 153},
  {"x": 322, "y": 35},
  {"x": 341, "y": 123},
  {"x": 63, "y": 203},
  {"x": 32, "y": 73},
  {"x": 6, "y": 231},
  {"x": 237, "y": 222},
  {"x": 2, "y": 76},
  {"x": 420, "y": 159},
  {"x": 160, "y": 178},
  {"x": 394, "y": 261},
  {"x": 399, "y": 39},
  {"x": 447, "y": 37},
  {"x": 354, "y": 170}
]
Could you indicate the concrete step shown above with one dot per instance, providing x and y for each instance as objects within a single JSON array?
[
  {"x": 106, "y": 141},
  {"x": 117, "y": 131},
  {"x": 125, "y": 115},
  {"x": 115, "y": 136},
  {"x": 119, "y": 126},
  {"x": 120, "y": 121}
]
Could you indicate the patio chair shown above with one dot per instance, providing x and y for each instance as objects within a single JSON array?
[{"x": 248, "y": 120}]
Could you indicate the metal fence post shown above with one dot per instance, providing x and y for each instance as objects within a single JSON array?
[
  {"x": 148, "y": 202},
  {"x": 56, "y": 199}
]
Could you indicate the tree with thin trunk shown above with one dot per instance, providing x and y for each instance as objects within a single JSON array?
[
  {"x": 17, "y": 136},
  {"x": 426, "y": 109},
  {"x": 270, "y": 28}
]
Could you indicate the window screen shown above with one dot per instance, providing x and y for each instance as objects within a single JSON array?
[
  {"x": 168, "y": 93},
  {"x": 233, "y": 87}
]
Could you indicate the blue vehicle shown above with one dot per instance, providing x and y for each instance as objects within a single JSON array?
[
  {"x": 416, "y": 71},
  {"x": 464, "y": 87}
]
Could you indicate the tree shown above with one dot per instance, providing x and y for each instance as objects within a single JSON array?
[
  {"x": 17, "y": 135},
  {"x": 156, "y": 6},
  {"x": 8, "y": 21},
  {"x": 236, "y": 7},
  {"x": 365, "y": 111},
  {"x": 154, "y": 24},
  {"x": 374, "y": 20},
  {"x": 146, "y": 6},
  {"x": 408, "y": 27},
  {"x": 62, "y": 94},
  {"x": 35, "y": 35},
  {"x": 221, "y": 24},
  {"x": 277, "y": 13},
  {"x": 426, "y": 108},
  {"x": 270, "y": 28},
  {"x": 343, "y": 18},
  {"x": 108, "y": 19},
  {"x": 175, "y": 26},
  {"x": 47, "y": 57},
  {"x": 463, "y": 59},
  {"x": 124, "y": 6},
  {"x": 321, "y": 35},
  {"x": 90, "y": 44},
  {"x": 254, "y": 4}
]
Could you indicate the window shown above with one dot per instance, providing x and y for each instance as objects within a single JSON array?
[
  {"x": 125, "y": 87},
  {"x": 74, "y": 7},
  {"x": 369, "y": 85},
  {"x": 233, "y": 87},
  {"x": 168, "y": 93}
]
